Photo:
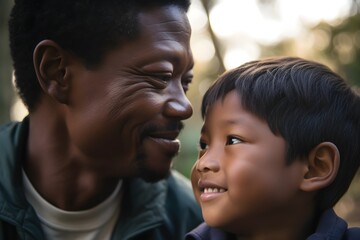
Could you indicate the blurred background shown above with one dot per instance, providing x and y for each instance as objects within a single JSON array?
[{"x": 227, "y": 33}]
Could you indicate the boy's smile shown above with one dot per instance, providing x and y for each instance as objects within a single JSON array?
[
  {"x": 210, "y": 190},
  {"x": 239, "y": 179}
]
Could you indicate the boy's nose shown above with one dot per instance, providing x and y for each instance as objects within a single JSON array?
[{"x": 208, "y": 162}]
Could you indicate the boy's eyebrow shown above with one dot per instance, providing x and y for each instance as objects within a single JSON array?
[
  {"x": 202, "y": 129},
  {"x": 225, "y": 122},
  {"x": 235, "y": 121}
]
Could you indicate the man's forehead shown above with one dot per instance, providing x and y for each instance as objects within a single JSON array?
[{"x": 165, "y": 18}]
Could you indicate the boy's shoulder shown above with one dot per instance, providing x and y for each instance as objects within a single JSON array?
[
  {"x": 331, "y": 226},
  {"x": 353, "y": 234},
  {"x": 204, "y": 231}
]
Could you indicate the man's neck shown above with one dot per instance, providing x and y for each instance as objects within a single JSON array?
[{"x": 55, "y": 168}]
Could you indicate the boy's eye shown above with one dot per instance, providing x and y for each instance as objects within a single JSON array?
[
  {"x": 233, "y": 140},
  {"x": 203, "y": 145}
]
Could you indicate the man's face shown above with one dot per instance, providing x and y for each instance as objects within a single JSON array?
[
  {"x": 125, "y": 116},
  {"x": 241, "y": 179}
]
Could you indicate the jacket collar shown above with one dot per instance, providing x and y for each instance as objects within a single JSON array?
[
  {"x": 13, "y": 205},
  {"x": 204, "y": 232},
  {"x": 330, "y": 226},
  {"x": 143, "y": 207}
]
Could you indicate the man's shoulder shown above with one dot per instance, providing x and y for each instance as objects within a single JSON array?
[
  {"x": 13, "y": 136},
  {"x": 180, "y": 195},
  {"x": 10, "y": 131},
  {"x": 180, "y": 179},
  {"x": 182, "y": 209},
  {"x": 8, "y": 127},
  {"x": 180, "y": 185}
]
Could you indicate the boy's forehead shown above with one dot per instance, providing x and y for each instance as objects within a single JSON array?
[
  {"x": 226, "y": 111},
  {"x": 229, "y": 112},
  {"x": 222, "y": 104}
]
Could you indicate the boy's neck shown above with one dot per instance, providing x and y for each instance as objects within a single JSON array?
[{"x": 297, "y": 225}]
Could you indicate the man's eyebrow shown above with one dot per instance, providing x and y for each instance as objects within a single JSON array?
[
  {"x": 191, "y": 65},
  {"x": 173, "y": 55}
]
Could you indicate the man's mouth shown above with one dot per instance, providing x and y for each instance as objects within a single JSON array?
[
  {"x": 165, "y": 141},
  {"x": 169, "y": 146},
  {"x": 166, "y": 135}
]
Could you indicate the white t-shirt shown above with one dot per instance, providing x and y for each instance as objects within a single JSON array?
[{"x": 95, "y": 223}]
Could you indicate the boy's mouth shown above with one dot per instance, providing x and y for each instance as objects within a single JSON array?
[
  {"x": 213, "y": 190},
  {"x": 210, "y": 190}
]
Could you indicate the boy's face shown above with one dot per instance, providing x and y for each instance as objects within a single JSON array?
[{"x": 241, "y": 179}]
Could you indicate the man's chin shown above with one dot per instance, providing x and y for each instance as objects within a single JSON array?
[
  {"x": 151, "y": 176},
  {"x": 154, "y": 164}
]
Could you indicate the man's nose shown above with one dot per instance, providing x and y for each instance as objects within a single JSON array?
[{"x": 178, "y": 105}]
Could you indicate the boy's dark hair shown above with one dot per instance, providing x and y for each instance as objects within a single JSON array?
[
  {"x": 304, "y": 102},
  {"x": 86, "y": 28}
]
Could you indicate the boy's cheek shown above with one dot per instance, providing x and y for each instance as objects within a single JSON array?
[{"x": 194, "y": 182}]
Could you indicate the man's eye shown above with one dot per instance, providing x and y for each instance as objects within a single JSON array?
[
  {"x": 203, "y": 145},
  {"x": 233, "y": 140},
  {"x": 164, "y": 78},
  {"x": 186, "y": 82}
]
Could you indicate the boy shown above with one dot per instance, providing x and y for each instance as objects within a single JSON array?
[{"x": 279, "y": 147}]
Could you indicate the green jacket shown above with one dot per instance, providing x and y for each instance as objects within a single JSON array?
[{"x": 162, "y": 210}]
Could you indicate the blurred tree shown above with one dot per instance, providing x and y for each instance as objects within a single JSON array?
[
  {"x": 6, "y": 92},
  {"x": 207, "y": 6},
  {"x": 343, "y": 51},
  {"x": 344, "y": 47}
]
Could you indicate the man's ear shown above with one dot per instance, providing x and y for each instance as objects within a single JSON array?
[
  {"x": 50, "y": 63},
  {"x": 323, "y": 164}
]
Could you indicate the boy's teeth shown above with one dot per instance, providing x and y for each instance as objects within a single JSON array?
[{"x": 213, "y": 190}]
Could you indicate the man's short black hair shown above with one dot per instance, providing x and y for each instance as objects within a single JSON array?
[
  {"x": 86, "y": 28},
  {"x": 305, "y": 103}
]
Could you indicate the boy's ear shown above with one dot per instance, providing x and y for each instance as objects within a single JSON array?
[
  {"x": 323, "y": 164},
  {"x": 50, "y": 63}
]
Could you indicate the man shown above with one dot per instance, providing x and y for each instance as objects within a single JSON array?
[{"x": 105, "y": 84}]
